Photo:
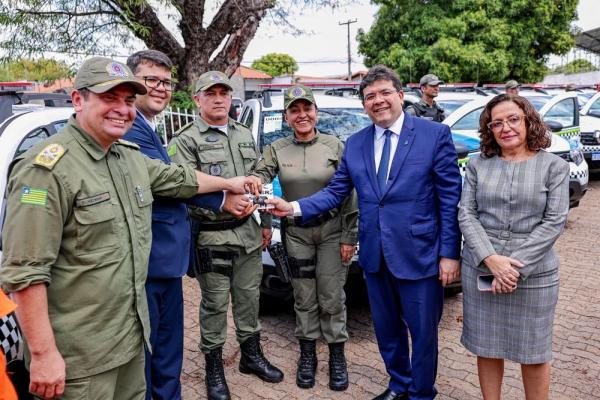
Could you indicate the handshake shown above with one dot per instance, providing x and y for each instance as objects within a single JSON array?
[{"x": 256, "y": 197}]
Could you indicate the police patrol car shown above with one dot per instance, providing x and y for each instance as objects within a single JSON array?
[
  {"x": 560, "y": 112},
  {"x": 590, "y": 132}
]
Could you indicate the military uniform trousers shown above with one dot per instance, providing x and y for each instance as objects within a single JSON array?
[
  {"x": 319, "y": 301},
  {"x": 125, "y": 382},
  {"x": 243, "y": 284},
  {"x": 163, "y": 364}
]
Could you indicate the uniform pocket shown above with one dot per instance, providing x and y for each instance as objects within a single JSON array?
[
  {"x": 213, "y": 159},
  {"x": 249, "y": 155},
  {"x": 95, "y": 227}
]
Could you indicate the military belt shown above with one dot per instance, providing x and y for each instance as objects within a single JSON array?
[{"x": 211, "y": 226}]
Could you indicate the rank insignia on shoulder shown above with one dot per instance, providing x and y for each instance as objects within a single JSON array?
[
  {"x": 33, "y": 196},
  {"x": 127, "y": 143},
  {"x": 49, "y": 155}
]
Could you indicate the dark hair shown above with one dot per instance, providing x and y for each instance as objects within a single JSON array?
[
  {"x": 536, "y": 130},
  {"x": 379, "y": 73},
  {"x": 148, "y": 56},
  {"x": 85, "y": 93}
]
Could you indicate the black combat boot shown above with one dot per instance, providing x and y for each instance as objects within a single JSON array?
[
  {"x": 216, "y": 386},
  {"x": 307, "y": 364},
  {"x": 338, "y": 372},
  {"x": 253, "y": 361}
]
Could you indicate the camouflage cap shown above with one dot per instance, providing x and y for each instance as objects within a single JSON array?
[
  {"x": 100, "y": 74},
  {"x": 430, "y": 79},
  {"x": 212, "y": 78},
  {"x": 297, "y": 92},
  {"x": 511, "y": 84}
]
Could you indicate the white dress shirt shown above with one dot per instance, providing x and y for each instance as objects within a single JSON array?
[{"x": 379, "y": 138}]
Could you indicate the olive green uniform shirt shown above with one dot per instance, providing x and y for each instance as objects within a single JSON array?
[
  {"x": 304, "y": 168},
  {"x": 212, "y": 151},
  {"x": 80, "y": 222}
]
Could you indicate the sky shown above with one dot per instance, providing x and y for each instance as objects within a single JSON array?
[{"x": 325, "y": 40}]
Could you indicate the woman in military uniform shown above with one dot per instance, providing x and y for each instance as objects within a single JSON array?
[{"x": 320, "y": 250}]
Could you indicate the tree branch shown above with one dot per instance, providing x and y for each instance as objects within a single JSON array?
[{"x": 65, "y": 13}]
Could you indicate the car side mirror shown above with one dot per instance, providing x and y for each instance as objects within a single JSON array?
[
  {"x": 594, "y": 113},
  {"x": 461, "y": 150},
  {"x": 554, "y": 126}
]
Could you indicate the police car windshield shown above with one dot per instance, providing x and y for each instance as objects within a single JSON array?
[
  {"x": 450, "y": 106},
  {"x": 340, "y": 122},
  {"x": 537, "y": 101}
]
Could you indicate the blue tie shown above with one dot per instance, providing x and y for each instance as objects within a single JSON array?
[{"x": 385, "y": 162}]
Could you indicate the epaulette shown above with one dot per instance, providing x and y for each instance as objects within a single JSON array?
[
  {"x": 49, "y": 156},
  {"x": 127, "y": 143},
  {"x": 182, "y": 129}
]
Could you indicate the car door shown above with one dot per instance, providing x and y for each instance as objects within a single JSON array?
[{"x": 564, "y": 109}]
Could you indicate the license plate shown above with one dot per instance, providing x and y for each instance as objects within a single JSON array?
[{"x": 596, "y": 156}]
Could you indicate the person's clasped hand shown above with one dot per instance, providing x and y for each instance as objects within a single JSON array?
[{"x": 505, "y": 272}]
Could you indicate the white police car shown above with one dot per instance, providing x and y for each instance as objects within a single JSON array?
[
  {"x": 560, "y": 112},
  {"x": 590, "y": 132}
]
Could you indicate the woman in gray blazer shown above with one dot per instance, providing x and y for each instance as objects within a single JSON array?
[{"x": 514, "y": 206}]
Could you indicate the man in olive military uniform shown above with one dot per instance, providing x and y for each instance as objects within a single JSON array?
[
  {"x": 77, "y": 239},
  {"x": 229, "y": 250},
  {"x": 512, "y": 87},
  {"x": 318, "y": 249},
  {"x": 427, "y": 108}
]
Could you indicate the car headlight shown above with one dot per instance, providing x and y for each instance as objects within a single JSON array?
[
  {"x": 597, "y": 136},
  {"x": 576, "y": 153}
]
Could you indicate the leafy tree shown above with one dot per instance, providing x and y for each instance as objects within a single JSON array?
[
  {"x": 197, "y": 35},
  {"x": 579, "y": 65},
  {"x": 469, "y": 40},
  {"x": 276, "y": 64},
  {"x": 182, "y": 99},
  {"x": 42, "y": 70}
]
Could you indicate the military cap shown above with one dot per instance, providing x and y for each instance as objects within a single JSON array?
[
  {"x": 297, "y": 92},
  {"x": 100, "y": 74},
  {"x": 212, "y": 78},
  {"x": 511, "y": 84},
  {"x": 430, "y": 79}
]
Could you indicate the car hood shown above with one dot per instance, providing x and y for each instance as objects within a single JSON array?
[{"x": 589, "y": 124}]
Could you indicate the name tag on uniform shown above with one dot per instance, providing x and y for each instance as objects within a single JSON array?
[{"x": 90, "y": 201}]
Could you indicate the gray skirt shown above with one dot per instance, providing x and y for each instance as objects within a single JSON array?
[{"x": 515, "y": 326}]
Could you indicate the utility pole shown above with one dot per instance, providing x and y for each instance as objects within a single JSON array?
[{"x": 349, "y": 53}]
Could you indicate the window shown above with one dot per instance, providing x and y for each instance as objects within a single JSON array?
[
  {"x": 59, "y": 125},
  {"x": 595, "y": 105},
  {"x": 31, "y": 139},
  {"x": 469, "y": 122},
  {"x": 563, "y": 112}
]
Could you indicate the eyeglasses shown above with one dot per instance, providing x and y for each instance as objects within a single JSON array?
[
  {"x": 154, "y": 82},
  {"x": 514, "y": 121},
  {"x": 385, "y": 93}
]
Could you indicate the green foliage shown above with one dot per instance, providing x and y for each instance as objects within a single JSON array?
[
  {"x": 42, "y": 70},
  {"x": 469, "y": 40},
  {"x": 276, "y": 64},
  {"x": 579, "y": 65},
  {"x": 182, "y": 99}
]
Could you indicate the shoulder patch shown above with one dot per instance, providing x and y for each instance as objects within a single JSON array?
[
  {"x": 127, "y": 143},
  {"x": 172, "y": 150},
  {"x": 49, "y": 155}
]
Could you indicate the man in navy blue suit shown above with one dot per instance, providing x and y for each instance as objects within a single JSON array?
[
  {"x": 171, "y": 238},
  {"x": 405, "y": 172}
]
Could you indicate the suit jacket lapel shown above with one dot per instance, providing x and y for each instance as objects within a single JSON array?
[
  {"x": 405, "y": 141},
  {"x": 155, "y": 139},
  {"x": 369, "y": 157}
]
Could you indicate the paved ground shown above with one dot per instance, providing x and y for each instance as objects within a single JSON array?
[{"x": 576, "y": 365}]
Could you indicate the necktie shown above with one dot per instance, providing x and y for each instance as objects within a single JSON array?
[{"x": 385, "y": 162}]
